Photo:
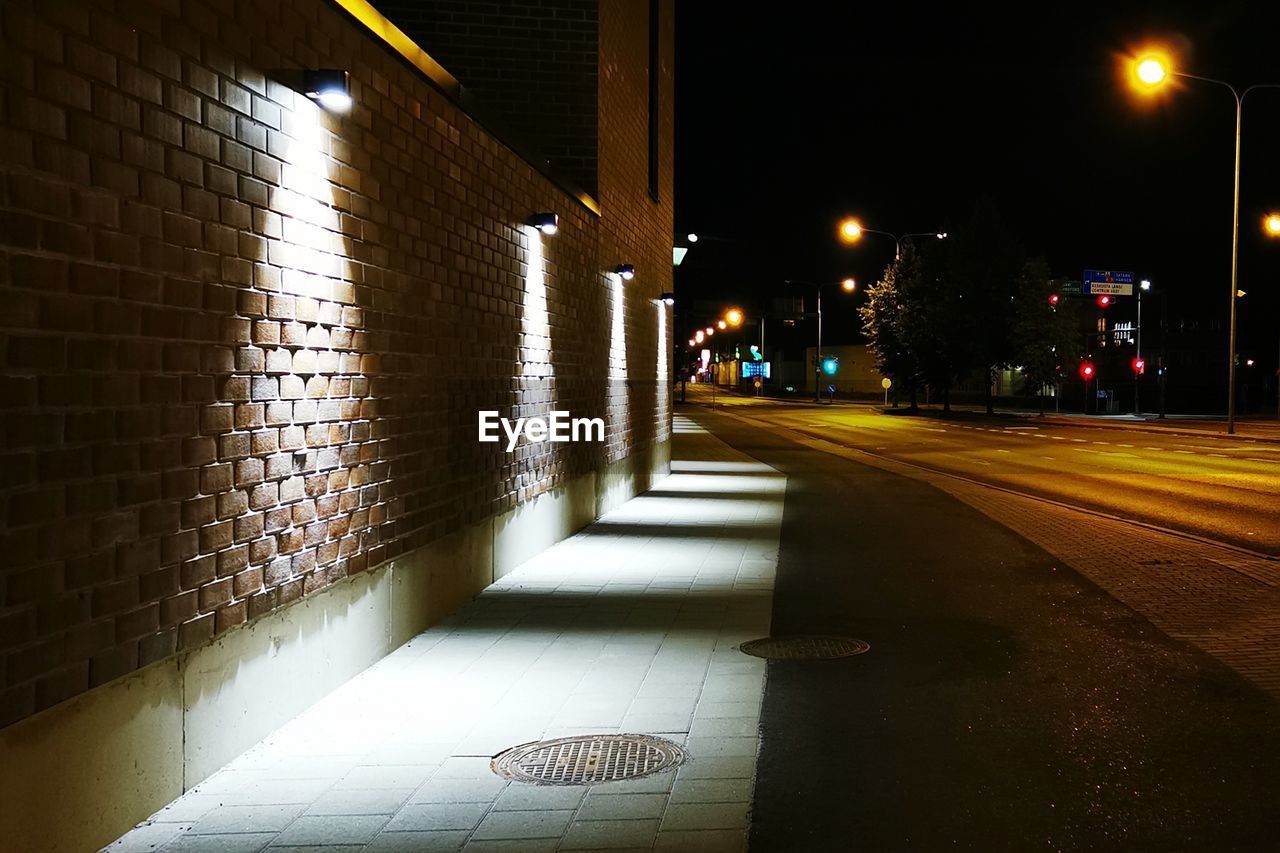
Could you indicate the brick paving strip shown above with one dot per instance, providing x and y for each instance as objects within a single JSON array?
[
  {"x": 630, "y": 626},
  {"x": 1218, "y": 598}
]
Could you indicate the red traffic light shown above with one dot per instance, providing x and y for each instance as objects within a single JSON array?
[
  {"x": 1054, "y": 299},
  {"x": 1086, "y": 370},
  {"x": 1104, "y": 301},
  {"x": 1139, "y": 365}
]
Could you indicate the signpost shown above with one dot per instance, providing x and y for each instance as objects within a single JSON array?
[
  {"x": 886, "y": 384},
  {"x": 1107, "y": 283}
]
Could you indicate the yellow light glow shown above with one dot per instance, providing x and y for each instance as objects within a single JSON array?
[
  {"x": 849, "y": 285},
  {"x": 699, "y": 336},
  {"x": 1272, "y": 225},
  {"x": 850, "y": 230},
  {"x": 734, "y": 316},
  {"x": 1151, "y": 71}
]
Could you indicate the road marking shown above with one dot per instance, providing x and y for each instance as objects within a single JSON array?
[
  {"x": 1057, "y": 438},
  {"x": 1086, "y": 450},
  {"x": 1039, "y": 435},
  {"x": 1153, "y": 448},
  {"x": 1023, "y": 427},
  {"x": 1080, "y": 440},
  {"x": 931, "y": 429},
  {"x": 1050, "y": 458},
  {"x": 982, "y": 461},
  {"x": 1124, "y": 445},
  {"x": 1187, "y": 452},
  {"x": 1102, "y": 442},
  {"x": 1260, "y": 459},
  {"x": 999, "y": 450},
  {"x": 1220, "y": 455}
]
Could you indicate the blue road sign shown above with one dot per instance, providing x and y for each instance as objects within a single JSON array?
[{"x": 1108, "y": 283}]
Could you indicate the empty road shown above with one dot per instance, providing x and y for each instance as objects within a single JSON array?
[{"x": 1221, "y": 488}]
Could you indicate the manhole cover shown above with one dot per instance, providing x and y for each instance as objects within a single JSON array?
[
  {"x": 804, "y": 648},
  {"x": 587, "y": 759}
]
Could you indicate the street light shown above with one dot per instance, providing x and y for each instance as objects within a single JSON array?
[
  {"x": 1152, "y": 71},
  {"x": 734, "y": 316},
  {"x": 1272, "y": 225},
  {"x": 847, "y": 285},
  {"x": 722, "y": 325},
  {"x": 1139, "y": 369},
  {"x": 851, "y": 231}
]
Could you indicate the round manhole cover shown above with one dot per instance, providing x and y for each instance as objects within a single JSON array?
[
  {"x": 804, "y": 648},
  {"x": 587, "y": 759}
]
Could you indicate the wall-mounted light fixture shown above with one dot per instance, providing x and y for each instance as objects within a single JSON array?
[
  {"x": 330, "y": 87},
  {"x": 547, "y": 223},
  {"x": 668, "y": 298},
  {"x": 626, "y": 271}
]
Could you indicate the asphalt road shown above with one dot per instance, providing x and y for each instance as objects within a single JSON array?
[
  {"x": 1221, "y": 488},
  {"x": 1006, "y": 703}
]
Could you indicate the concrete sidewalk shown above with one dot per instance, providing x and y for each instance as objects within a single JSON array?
[{"x": 630, "y": 626}]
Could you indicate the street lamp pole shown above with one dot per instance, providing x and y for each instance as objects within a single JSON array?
[
  {"x": 817, "y": 358},
  {"x": 849, "y": 286},
  {"x": 1239, "y": 96},
  {"x": 1138, "y": 374},
  {"x": 1235, "y": 257}
]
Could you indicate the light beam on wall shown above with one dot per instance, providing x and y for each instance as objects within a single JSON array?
[
  {"x": 535, "y": 367},
  {"x": 618, "y": 420}
]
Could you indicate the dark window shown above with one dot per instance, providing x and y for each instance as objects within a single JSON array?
[{"x": 654, "y": 53}]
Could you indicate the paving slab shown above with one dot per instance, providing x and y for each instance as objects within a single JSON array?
[{"x": 628, "y": 627}]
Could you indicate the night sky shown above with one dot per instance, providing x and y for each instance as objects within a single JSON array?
[{"x": 904, "y": 115}]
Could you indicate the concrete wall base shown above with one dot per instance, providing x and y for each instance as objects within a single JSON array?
[{"x": 80, "y": 774}]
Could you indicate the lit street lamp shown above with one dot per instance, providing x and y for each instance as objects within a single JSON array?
[
  {"x": 1140, "y": 368},
  {"x": 1152, "y": 72},
  {"x": 848, "y": 285},
  {"x": 851, "y": 231}
]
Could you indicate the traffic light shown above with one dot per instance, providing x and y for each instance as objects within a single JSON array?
[
  {"x": 1054, "y": 299},
  {"x": 1086, "y": 370},
  {"x": 830, "y": 365},
  {"x": 1104, "y": 300},
  {"x": 1139, "y": 366}
]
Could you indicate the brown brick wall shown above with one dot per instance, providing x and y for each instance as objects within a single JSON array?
[
  {"x": 534, "y": 64},
  {"x": 244, "y": 342}
]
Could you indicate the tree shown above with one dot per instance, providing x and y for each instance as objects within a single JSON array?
[
  {"x": 882, "y": 323},
  {"x": 929, "y": 308},
  {"x": 981, "y": 277},
  {"x": 1045, "y": 337}
]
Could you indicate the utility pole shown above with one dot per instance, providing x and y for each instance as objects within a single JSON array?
[{"x": 817, "y": 356}]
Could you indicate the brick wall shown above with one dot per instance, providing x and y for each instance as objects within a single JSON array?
[
  {"x": 244, "y": 341},
  {"x": 535, "y": 64}
]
